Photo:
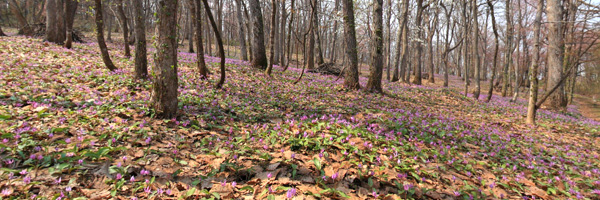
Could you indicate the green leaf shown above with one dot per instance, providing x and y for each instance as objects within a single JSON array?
[
  {"x": 251, "y": 189},
  {"x": 5, "y": 117}
]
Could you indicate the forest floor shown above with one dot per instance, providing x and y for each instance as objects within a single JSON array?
[{"x": 74, "y": 130}]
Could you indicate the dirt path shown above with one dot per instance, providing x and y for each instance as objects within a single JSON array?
[{"x": 588, "y": 107}]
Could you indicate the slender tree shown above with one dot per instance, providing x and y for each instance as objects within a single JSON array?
[
  {"x": 100, "y": 36},
  {"x": 219, "y": 42},
  {"x": 351, "y": 72},
  {"x": 475, "y": 56},
  {"x": 272, "y": 38},
  {"x": 376, "y": 69},
  {"x": 533, "y": 88},
  {"x": 259, "y": 59},
  {"x": 509, "y": 49},
  {"x": 165, "y": 81},
  {"x": 496, "y": 45},
  {"x": 141, "y": 59},
  {"x": 70, "y": 10},
  {"x": 124, "y": 27},
  {"x": 196, "y": 10},
  {"x": 241, "y": 34}
]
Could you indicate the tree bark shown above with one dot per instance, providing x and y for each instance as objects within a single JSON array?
[
  {"x": 404, "y": 74},
  {"x": 100, "y": 36},
  {"x": 195, "y": 8},
  {"x": 165, "y": 80},
  {"x": 124, "y": 27},
  {"x": 70, "y": 10},
  {"x": 533, "y": 88},
  {"x": 2, "y": 32},
  {"x": 272, "y": 38},
  {"x": 554, "y": 52},
  {"x": 55, "y": 21},
  {"x": 309, "y": 56},
  {"x": 351, "y": 72},
  {"x": 319, "y": 53},
  {"x": 475, "y": 50},
  {"x": 376, "y": 68},
  {"x": 219, "y": 42},
  {"x": 419, "y": 44},
  {"x": 496, "y": 45},
  {"x": 24, "y": 27},
  {"x": 259, "y": 59},
  {"x": 509, "y": 49},
  {"x": 281, "y": 47},
  {"x": 241, "y": 35},
  {"x": 141, "y": 59}
]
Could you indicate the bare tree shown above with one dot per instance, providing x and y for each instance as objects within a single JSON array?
[
  {"x": 351, "y": 72},
  {"x": 419, "y": 43},
  {"x": 219, "y": 42},
  {"x": 555, "y": 53},
  {"x": 509, "y": 49},
  {"x": 533, "y": 89},
  {"x": 124, "y": 27},
  {"x": 241, "y": 34},
  {"x": 376, "y": 68},
  {"x": 55, "y": 21},
  {"x": 196, "y": 10},
  {"x": 475, "y": 49},
  {"x": 165, "y": 81},
  {"x": 141, "y": 59},
  {"x": 259, "y": 59},
  {"x": 100, "y": 36},
  {"x": 272, "y": 38},
  {"x": 496, "y": 44},
  {"x": 70, "y": 10}
]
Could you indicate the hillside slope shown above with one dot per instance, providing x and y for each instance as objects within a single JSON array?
[{"x": 70, "y": 128}]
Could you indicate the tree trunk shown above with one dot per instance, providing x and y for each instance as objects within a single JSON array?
[
  {"x": 110, "y": 20},
  {"x": 319, "y": 53},
  {"x": 24, "y": 27},
  {"x": 431, "y": 33},
  {"x": 2, "y": 32},
  {"x": 71, "y": 10},
  {"x": 190, "y": 31},
  {"x": 335, "y": 34},
  {"x": 496, "y": 45},
  {"x": 272, "y": 37},
  {"x": 533, "y": 88},
  {"x": 419, "y": 47},
  {"x": 509, "y": 49},
  {"x": 351, "y": 72},
  {"x": 309, "y": 56},
  {"x": 124, "y": 27},
  {"x": 165, "y": 81},
  {"x": 282, "y": 44},
  {"x": 259, "y": 58},
  {"x": 100, "y": 36},
  {"x": 376, "y": 69},
  {"x": 395, "y": 73},
  {"x": 242, "y": 35},
  {"x": 554, "y": 52},
  {"x": 141, "y": 59},
  {"x": 405, "y": 42},
  {"x": 219, "y": 42},
  {"x": 195, "y": 9},
  {"x": 55, "y": 21},
  {"x": 475, "y": 50}
]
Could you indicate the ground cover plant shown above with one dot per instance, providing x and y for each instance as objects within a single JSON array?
[{"x": 71, "y": 129}]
